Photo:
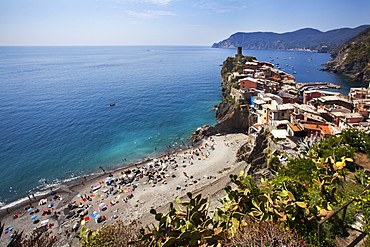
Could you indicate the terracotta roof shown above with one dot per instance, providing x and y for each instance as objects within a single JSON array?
[
  {"x": 294, "y": 127},
  {"x": 325, "y": 129}
]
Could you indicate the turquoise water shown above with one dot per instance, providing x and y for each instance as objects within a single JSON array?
[{"x": 55, "y": 115}]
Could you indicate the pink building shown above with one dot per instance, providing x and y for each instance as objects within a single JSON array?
[{"x": 247, "y": 83}]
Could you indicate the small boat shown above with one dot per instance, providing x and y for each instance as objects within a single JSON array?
[{"x": 113, "y": 104}]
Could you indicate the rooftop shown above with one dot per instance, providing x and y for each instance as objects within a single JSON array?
[
  {"x": 285, "y": 107},
  {"x": 333, "y": 98},
  {"x": 294, "y": 127},
  {"x": 324, "y": 128}
]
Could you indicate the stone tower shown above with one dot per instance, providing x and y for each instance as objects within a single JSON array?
[{"x": 240, "y": 51}]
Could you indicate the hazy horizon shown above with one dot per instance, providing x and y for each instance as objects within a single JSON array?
[{"x": 165, "y": 22}]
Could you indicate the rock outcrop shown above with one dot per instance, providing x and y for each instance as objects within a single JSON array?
[
  {"x": 232, "y": 116},
  {"x": 353, "y": 58},
  {"x": 253, "y": 153}
]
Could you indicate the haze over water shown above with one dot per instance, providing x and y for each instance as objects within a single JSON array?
[{"x": 55, "y": 115}]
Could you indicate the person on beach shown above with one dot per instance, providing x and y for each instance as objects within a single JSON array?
[{"x": 102, "y": 169}]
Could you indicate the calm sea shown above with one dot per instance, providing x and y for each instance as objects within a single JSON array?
[{"x": 57, "y": 123}]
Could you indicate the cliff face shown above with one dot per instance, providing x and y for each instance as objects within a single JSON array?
[
  {"x": 253, "y": 152},
  {"x": 234, "y": 119},
  {"x": 353, "y": 58},
  {"x": 232, "y": 116}
]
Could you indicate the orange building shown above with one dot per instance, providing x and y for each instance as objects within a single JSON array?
[{"x": 247, "y": 83}]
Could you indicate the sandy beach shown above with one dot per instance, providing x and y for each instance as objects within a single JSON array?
[{"x": 129, "y": 194}]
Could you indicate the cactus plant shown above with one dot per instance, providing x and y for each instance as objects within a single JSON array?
[{"x": 189, "y": 226}]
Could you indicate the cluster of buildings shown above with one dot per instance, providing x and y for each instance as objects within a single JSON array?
[{"x": 291, "y": 110}]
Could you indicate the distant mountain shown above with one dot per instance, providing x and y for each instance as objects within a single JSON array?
[
  {"x": 306, "y": 38},
  {"x": 353, "y": 58}
]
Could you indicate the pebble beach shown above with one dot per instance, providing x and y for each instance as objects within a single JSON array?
[{"x": 128, "y": 194}]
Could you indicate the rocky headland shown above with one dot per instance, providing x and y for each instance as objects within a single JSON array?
[
  {"x": 235, "y": 116},
  {"x": 232, "y": 116},
  {"x": 353, "y": 58}
]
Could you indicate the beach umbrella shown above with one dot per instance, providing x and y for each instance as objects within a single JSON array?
[{"x": 33, "y": 217}]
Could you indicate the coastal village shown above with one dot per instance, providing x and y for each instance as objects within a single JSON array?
[
  {"x": 291, "y": 111},
  {"x": 296, "y": 110}
]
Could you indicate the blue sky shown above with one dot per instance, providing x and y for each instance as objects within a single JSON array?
[{"x": 166, "y": 22}]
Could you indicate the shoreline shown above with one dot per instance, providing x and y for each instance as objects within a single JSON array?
[
  {"x": 204, "y": 169},
  {"x": 75, "y": 181}
]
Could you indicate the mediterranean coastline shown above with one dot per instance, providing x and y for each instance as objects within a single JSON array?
[{"x": 129, "y": 193}]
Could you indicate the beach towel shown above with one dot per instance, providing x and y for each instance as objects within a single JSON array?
[
  {"x": 9, "y": 229},
  {"x": 94, "y": 214}
]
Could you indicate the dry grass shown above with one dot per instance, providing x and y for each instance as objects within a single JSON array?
[{"x": 265, "y": 233}]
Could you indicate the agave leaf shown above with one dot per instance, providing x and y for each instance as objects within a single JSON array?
[
  {"x": 190, "y": 195},
  {"x": 178, "y": 200},
  {"x": 189, "y": 225},
  {"x": 156, "y": 234},
  {"x": 301, "y": 204},
  {"x": 242, "y": 173},
  {"x": 158, "y": 216},
  {"x": 255, "y": 204},
  {"x": 169, "y": 242},
  {"x": 185, "y": 235},
  {"x": 237, "y": 215},
  {"x": 315, "y": 181},
  {"x": 283, "y": 193},
  {"x": 192, "y": 202},
  {"x": 291, "y": 196},
  {"x": 263, "y": 198},
  {"x": 198, "y": 197},
  {"x": 347, "y": 159}
]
